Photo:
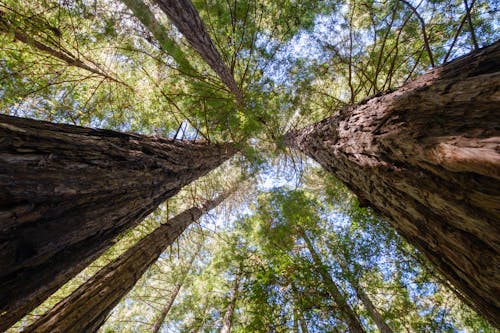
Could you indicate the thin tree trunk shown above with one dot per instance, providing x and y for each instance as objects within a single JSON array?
[
  {"x": 367, "y": 302},
  {"x": 297, "y": 310},
  {"x": 346, "y": 312},
  {"x": 186, "y": 18},
  {"x": 142, "y": 12},
  {"x": 86, "y": 309},
  {"x": 227, "y": 321},
  {"x": 66, "y": 192},
  {"x": 166, "y": 309},
  {"x": 426, "y": 157}
]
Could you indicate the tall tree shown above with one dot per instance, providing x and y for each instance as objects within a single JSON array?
[
  {"x": 227, "y": 321},
  {"x": 86, "y": 309},
  {"x": 344, "y": 308},
  {"x": 68, "y": 191},
  {"x": 173, "y": 295},
  {"x": 186, "y": 18},
  {"x": 426, "y": 157}
]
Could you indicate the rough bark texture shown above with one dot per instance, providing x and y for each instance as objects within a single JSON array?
[
  {"x": 345, "y": 310},
  {"x": 86, "y": 309},
  {"x": 186, "y": 18},
  {"x": 427, "y": 157},
  {"x": 67, "y": 191}
]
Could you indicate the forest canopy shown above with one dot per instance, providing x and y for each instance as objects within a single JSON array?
[{"x": 278, "y": 239}]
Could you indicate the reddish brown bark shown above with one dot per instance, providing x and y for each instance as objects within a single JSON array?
[
  {"x": 427, "y": 157},
  {"x": 67, "y": 191},
  {"x": 86, "y": 309},
  {"x": 186, "y": 18}
]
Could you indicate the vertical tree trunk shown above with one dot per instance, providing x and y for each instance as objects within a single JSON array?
[
  {"x": 227, "y": 321},
  {"x": 372, "y": 310},
  {"x": 297, "y": 311},
  {"x": 142, "y": 12},
  {"x": 166, "y": 309},
  {"x": 427, "y": 157},
  {"x": 365, "y": 299},
  {"x": 186, "y": 18},
  {"x": 67, "y": 191},
  {"x": 346, "y": 312},
  {"x": 86, "y": 309}
]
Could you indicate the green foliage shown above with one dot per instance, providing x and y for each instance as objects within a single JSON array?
[{"x": 122, "y": 65}]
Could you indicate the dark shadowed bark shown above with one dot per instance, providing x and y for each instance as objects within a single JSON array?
[
  {"x": 186, "y": 18},
  {"x": 66, "y": 192},
  {"x": 427, "y": 157},
  {"x": 86, "y": 309},
  {"x": 345, "y": 311}
]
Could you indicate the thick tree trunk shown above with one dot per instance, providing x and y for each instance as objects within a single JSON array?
[
  {"x": 427, "y": 157},
  {"x": 86, "y": 309},
  {"x": 186, "y": 18},
  {"x": 227, "y": 321},
  {"x": 67, "y": 191},
  {"x": 166, "y": 309},
  {"x": 346, "y": 312}
]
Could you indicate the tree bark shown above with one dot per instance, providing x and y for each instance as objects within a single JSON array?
[
  {"x": 142, "y": 12},
  {"x": 427, "y": 157},
  {"x": 346, "y": 312},
  {"x": 227, "y": 321},
  {"x": 66, "y": 192},
  {"x": 166, "y": 309},
  {"x": 87, "y": 308},
  {"x": 186, "y": 18}
]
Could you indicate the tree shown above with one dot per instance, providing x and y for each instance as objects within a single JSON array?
[
  {"x": 177, "y": 287},
  {"x": 347, "y": 313},
  {"x": 87, "y": 308},
  {"x": 68, "y": 191},
  {"x": 227, "y": 321},
  {"x": 414, "y": 154},
  {"x": 188, "y": 21}
]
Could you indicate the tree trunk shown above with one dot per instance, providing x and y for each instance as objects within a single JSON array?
[
  {"x": 365, "y": 299},
  {"x": 297, "y": 311},
  {"x": 86, "y": 309},
  {"x": 67, "y": 191},
  {"x": 142, "y": 12},
  {"x": 186, "y": 18},
  {"x": 372, "y": 310},
  {"x": 166, "y": 309},
  {"x": 227, "y": 321},
  {"x": 346, "y": 312},
  {"x": 427, "y": 157}
]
